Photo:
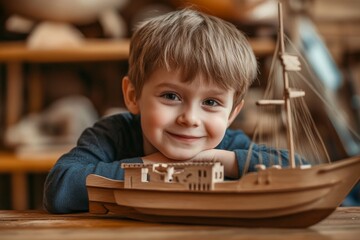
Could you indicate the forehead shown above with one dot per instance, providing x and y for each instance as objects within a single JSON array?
[
  {"x": 162, "y": 80},
  {"x": 198, "y": 79}
]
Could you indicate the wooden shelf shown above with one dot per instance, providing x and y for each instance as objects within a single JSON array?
[
  {"x": 9, "y": 163},
  {"x": 90, "y": 50},
  {"x": 93, "y": 50},
  {"x": 263, "y": 46}
]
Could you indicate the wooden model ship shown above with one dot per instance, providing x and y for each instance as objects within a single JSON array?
[{"x": 196, "y": 193}]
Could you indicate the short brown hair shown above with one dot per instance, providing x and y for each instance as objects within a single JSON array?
[{"x": 194, "y": 43}]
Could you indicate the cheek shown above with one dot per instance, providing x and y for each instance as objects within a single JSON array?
[
  {"x": 153, "y": 118},
  {"x": 216, "y": 128}
]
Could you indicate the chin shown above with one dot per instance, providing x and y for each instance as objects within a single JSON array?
[{"x": 180, "y": 157}]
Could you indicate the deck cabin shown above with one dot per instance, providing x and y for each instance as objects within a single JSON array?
[{"x": 194, "y": 176}]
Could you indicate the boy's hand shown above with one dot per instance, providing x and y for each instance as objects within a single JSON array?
[{"x": 158, "y": 157}]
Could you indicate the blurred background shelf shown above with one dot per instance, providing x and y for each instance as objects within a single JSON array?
[
  {"x": 10, "y": 163},
  {"x": 19, "y": 169},
  {"x": 15, "y": 54},
  {"x": 89, "y": 50}
]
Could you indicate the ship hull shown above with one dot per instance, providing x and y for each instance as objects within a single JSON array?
[
  {"x": 261, "y": 199},
  {"x": 301, "y": 219}
]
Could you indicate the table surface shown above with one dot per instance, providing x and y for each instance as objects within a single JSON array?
[{"x": 344, "y": 223}]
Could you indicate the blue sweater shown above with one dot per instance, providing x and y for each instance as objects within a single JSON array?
[{"x": 118, "y": 139}]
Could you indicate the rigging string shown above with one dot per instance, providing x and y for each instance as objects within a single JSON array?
[
  {"x": 320, "y": 86},
  {"x": 315, "y": 150},
  {"x": 306, "y": 127}
]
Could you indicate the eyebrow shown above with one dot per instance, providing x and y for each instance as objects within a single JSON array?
[
  {"x": 166, "y": 84},
  {"x": 212, "y": 91}
]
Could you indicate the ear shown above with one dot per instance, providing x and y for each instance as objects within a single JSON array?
[
  {"x": 235, "y": 112},
  {"x": 130, "y": 96}
]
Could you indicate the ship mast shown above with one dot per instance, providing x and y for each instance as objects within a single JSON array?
[
  {"x": 290, "y": 136},
  {"x": 289, "y": 63}
]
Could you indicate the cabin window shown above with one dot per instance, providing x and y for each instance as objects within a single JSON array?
[{"x": 145, "y": 175}]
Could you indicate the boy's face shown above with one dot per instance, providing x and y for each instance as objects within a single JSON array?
[{"x": 181, "y": 119}]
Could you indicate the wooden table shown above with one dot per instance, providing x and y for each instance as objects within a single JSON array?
[{"x": 344, "y": 223}]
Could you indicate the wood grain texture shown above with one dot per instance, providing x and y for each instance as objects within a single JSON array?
[{"x": 344, "y": 223}]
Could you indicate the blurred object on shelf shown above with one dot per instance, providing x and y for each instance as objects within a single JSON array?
[
  {"x": 137, "y": 11},
  {"x": 235, "y": 10},
  {"x": 71, "y": 11},
  {"x": 53, "y": 23},
  {"x": 19, "y": 24},
  {"x": 43, "y": 36},
  {"x": 335, "y": 10},
  {"x": 53, "y": 131}
]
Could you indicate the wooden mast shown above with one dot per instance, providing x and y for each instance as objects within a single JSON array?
[
  {"x": 289, "y": 63},
  {"x": 290, "y": 137}
]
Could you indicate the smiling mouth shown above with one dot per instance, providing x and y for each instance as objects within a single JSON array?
[{"x": 185, "y": 138}]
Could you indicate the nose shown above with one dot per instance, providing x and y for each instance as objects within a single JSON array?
[{"x": 189, "y": 117}]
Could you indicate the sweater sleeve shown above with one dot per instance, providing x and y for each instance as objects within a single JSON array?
[
  {"x": 99, "y": 150},
  {"x": 248, "y": 154}
]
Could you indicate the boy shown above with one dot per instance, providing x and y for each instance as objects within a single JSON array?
[{"x": 188, "y": 74}]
